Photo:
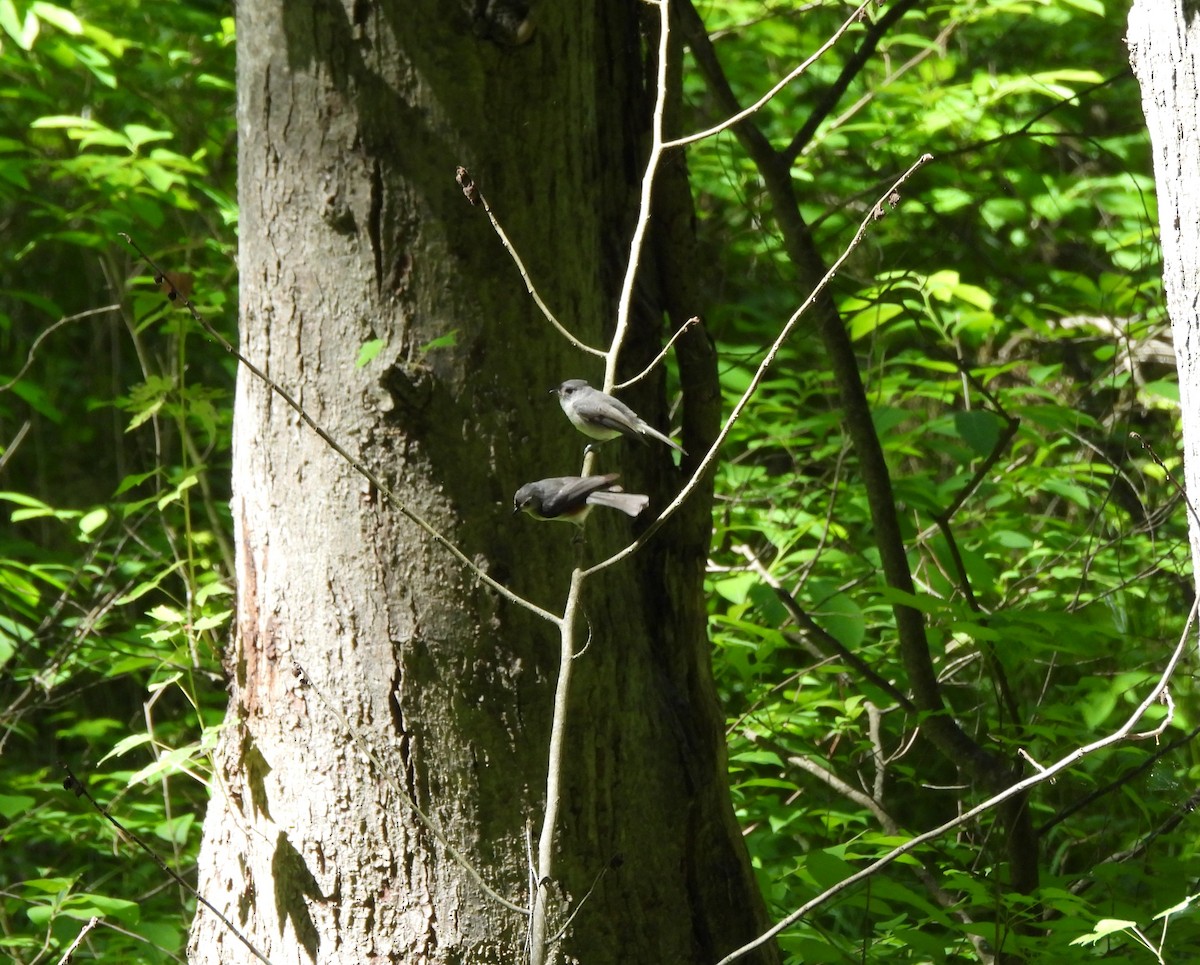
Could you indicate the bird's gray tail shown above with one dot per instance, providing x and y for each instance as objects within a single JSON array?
[
  {"x": 661, "y": 437},
  {"x": 631, "y": 504}
]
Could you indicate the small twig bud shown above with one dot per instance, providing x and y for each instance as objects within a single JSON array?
[{"x": 463, "y": 177}]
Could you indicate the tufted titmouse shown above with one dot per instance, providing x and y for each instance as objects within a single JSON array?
[
  {"x": 600, "y": 416},
  {"x": 571, "y": 498}
]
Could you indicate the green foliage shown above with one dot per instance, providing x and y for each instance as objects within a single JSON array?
[
  {"x": 1006, "y": 317},
  {"x": 114, "y": 421}
]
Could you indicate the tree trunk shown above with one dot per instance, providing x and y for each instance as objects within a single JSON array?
[
  {"x": 369, "y": 667},
  {"x": 1164, "y": 48}
]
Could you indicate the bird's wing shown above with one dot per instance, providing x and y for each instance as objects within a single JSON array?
[
  {"x": 575, "y": 491},
  {"x": 606, "y": 411}
]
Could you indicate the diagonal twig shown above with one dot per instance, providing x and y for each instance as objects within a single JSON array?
[
  {"x": 762, "y": 101},
  {"x": 357, "y": 465},
  {"x": 75, "y": 786},
  {"x": 475, "y": 196},
  {"x": 890, "y": 197},
  {"x": 1010, "y": 792}
]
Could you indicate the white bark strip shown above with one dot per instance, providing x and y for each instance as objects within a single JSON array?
[{"x": 1164, "y": 48}]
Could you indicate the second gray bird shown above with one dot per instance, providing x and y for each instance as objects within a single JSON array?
[
  {"x": 571, "y": 498},
  {"x": 599, "y": 416}
]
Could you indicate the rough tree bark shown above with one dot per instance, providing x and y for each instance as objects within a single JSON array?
[
  {"x": 1164, "y": 48},
  {"x": 352, "y": 117}
]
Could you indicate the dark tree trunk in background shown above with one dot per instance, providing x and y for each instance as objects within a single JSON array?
[{"x": 352, "y": 118}]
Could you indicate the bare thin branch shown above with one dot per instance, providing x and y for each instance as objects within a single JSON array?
[
  {"x": 91, "y": 923},
  {"x": 539, "y": 923},
  {"x": 558, "y": 935},
  {"x": 889, "y": 197},
  {"x": 852, "y": 68},
  {"x": 862, "y": 799},
  {"x": 694, "y": 320},
  {"x": 1020, "y": 787},
  {"x": 333, "y": 444},
  {"x": 76, "y": 787},
  {"x": 766, "y": 98},
  {"x": 475, "y": 196},
  {"x": 11, "y": 448},
  {"x": 1120, "y": 781},
  {"x": 625, "y": 302},
  {"x": 37, "y": 342}
]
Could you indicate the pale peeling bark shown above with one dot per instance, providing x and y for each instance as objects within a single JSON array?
[
  {"x": 1164, "y": 48},
  {"x": 352, "y": 117}
]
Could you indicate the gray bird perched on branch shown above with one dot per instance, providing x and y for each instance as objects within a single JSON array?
[
  {"x": 599, "y": 416},
  {"x": 571, "y": 498}
]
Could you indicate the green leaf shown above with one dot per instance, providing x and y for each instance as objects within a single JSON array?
[
  {"x": 368, "y": 351},
  {"x": 827, "y": 867},
  {"x": 13, "y": 804},
  {"x": 1176, "y": 908},
  {"x": 979, "y": 429},
  {"x": 176, "y": 830},
  {"x": 843, "y": 619},
  {"x": 160, "y": 178},
  {"x": 1161, "y": 389},
  {"x": 869, "y": 319},
  {"x": 23, "y": 31},
  {"x": 769, "y": 758},
  {"x": 211, "y": 590},
  {"x": 946, "y": 286},
  {"x": 98, "y": 137},
  {"x": 1070, "y": 491},
  {"x": 1104, "y": 928},
  {"x": 125, "y": 745},
  {"x": 173, "y": 762},
  {"x": 89, "y": 728},
  {"x": 736, "y": 587},
  {"x": 84, "y": 905},
  {"x": 68, "y": 121},
  {"x": 139, "y": 134},
  {"x": 38, "y": 398},
  {"x": 918, "y": 601},
  {"x": 133, "y": 481},
  {"x": 168, "y": 614},
  {"x": 92, "y": 521},
  {"x": 212, "y": 621},
  {"x": 449, "y": 340},
  {"x": 36, "y": 509},
  {"x": 141, "y": 589},
  {"x": 60, "y": 17},
  {"x": 176, "y": 494},
  {"x": 51, "y": 886}
]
